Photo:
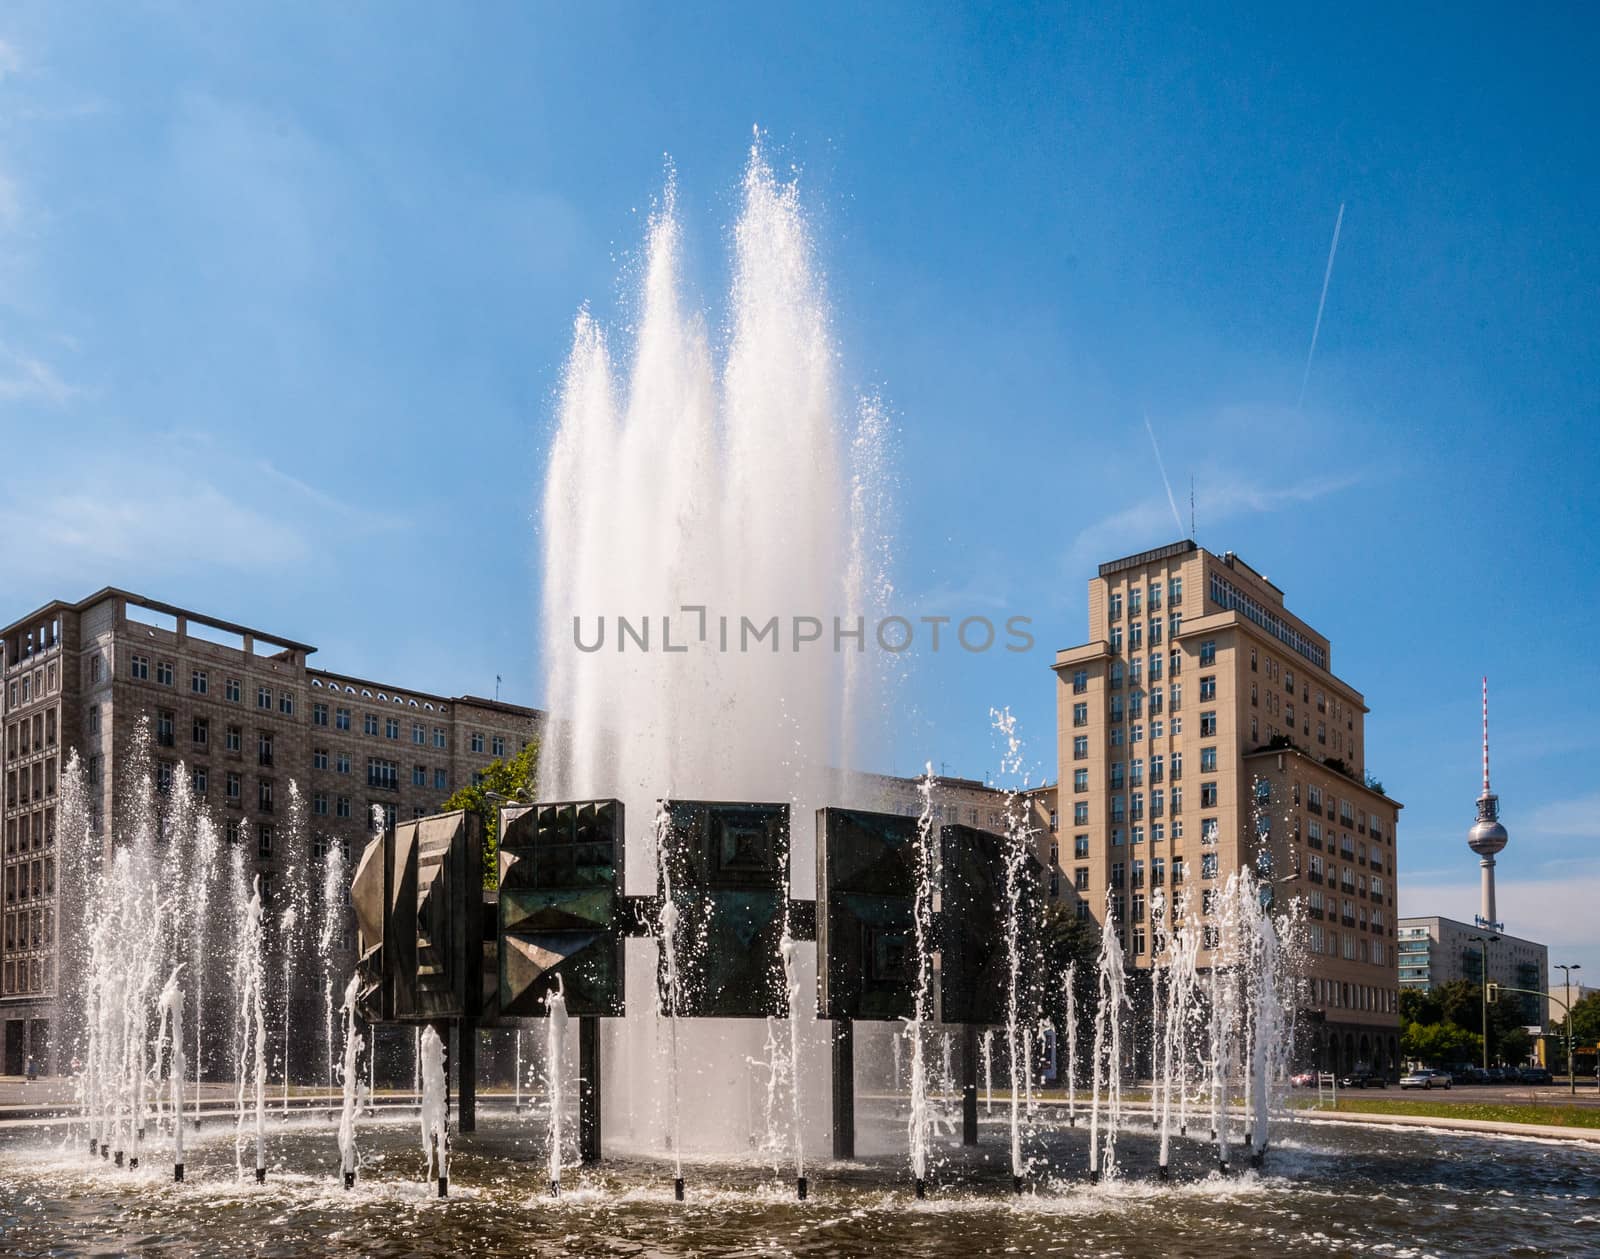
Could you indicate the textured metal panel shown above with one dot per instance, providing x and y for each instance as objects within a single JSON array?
[
  {"x": 729, "y": 869},
  {"x": 560, "y": 908},
  {"x": 866, "y": 905}
]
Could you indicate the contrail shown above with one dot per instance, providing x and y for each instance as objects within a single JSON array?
[
  {"x": 1321, "y": 301},
  {"x": 1171, "y": 502}
]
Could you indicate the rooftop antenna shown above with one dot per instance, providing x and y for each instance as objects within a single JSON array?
[
  {"x": 1486, "y": 736},
  {"x": 497, "y": 688}
]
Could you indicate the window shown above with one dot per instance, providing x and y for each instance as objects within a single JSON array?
[
  {"x": 369, "y": 723},
  {"x": 1080, "y": 847},
  {"x": 341, "y": 719},
  {"x": 1135, "y": 601},
  {"x": 391, "y": 727},
  {"x": 382, "y": 773},
  {"x": 199, "y": 683},
  {"x": 1208, "y": 795},
  {"x": 164, "y": 776},
  {"x": 342, "y": 762},
  {"x": 419, "y": 775},
  {"x": 201, "y": 733},
  {"x": 1136, "y": 636},
  {"x": 264, "y": 747},
  {"x": 1116, "y": 605},
  {"x": 319, "y": 758},
  {"x": 441, "y": 780},
  {"x": 1116, "y": 736},
  {"x": 264, "y": 796},
  {"x": 497, "y": 745},
  {"x": 1208, "y": 865},
  {"x": 1175, "y": 591},
  {"x": 419, "y": 733},
  {"x": 319, "y": 714},
  {"x": 164, "y": 734},
  {"x": 1080, "y": 717},
  {"x": 1208, "y": 725},
  {"x": 264, "y": 697},
  {"x": 1117, "y": 869},
  {"x": 1080, "y": 681},
  {"x": 1136, "y": 772},
  {"x": 1119, "y": 812},
  {"x": 97, "y": 667},
  {"x": 164, "y": 672},
  {"x": 1080, "y": 747},
  {"x": 477, "y": 739},
  {"x": 1136, "y": 836},
  {"x": 1155, "y": 596},
  {"x": 438, "y": 738},
  {"x": 319, "y": 803},
  {"x": 264, "y": 838},
  {"x": 233, "y": 789},
  {"x": 1263, "y": 791},
  {"x": 1080, "y": 879},
  {"x": 138, "y": 667},
  {"x": 1208, "y": 830},
  {"x": 1208, "y": 687},
  {"x": 1136, "y": 704},
  {"x": 1136, "y": 732},
  {"x": 1080, "y": 812},
  {"x": 1116, "y": 675},
  {"x": 1117, "y": 776},
  {"x": 1208, "y": 760},
  {"x": 1155, "y": 667},
  {"x": 233, "y": 740},
  {"x": 1116, "y": 638},
  {"x": 1155, "y": 633},
  {"x": 286, "y": 703},
  {"x": 380, "y": 815},
  {"x": 342, "y": 807},
  {"x": 232, "y": 690},
  {"x": 1080, "y": 780}
]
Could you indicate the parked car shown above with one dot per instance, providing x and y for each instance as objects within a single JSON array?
[
  {"x": 1304, "y": 1080},
  {"x": 1425, "y": 1078},
  {"x": 1359, "y": 1079},
  {"x": 1469, "y": 1075},
  {"x": 1533, "y": 1075},
  {"x": 1497, "y": 1075}
]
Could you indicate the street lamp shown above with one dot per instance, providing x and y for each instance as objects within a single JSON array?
[
  {"x": 1483, "y": 952},
  {"x": 1572, "y": 1079}
]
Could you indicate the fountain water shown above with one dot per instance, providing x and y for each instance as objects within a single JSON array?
[
  {"x": 1071, "y": 1019},
  {"x": 171, "y": 1003},
  {"x": 349, "y": 1157},
  {"x": 1018, "y": 840},
  {"x": 1107, "y": 1054},
  {"x": 920, "y": 1129},
  {"x": 736, "y": 499},
  {"x": 791, "y": 971},
  {"x": 434, "y": 1111},
  {"x": 555, "y": 1076},
  {"x": 667, "y": 925},
  {"x": 331, "y": 912},
  {"x": 988, "y": 1071},
  {"x": 252, "y": 1037}
]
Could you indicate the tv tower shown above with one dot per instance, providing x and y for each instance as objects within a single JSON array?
[{"x": 1487, "y": 837}]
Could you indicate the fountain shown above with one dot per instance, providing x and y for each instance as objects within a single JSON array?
[
  {"x": 350, "y": 1084},
  {"x": 555, "y": 1078},
  {"x": 435, "y": 1111}
]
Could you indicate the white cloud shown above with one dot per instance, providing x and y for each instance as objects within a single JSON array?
[
  {"x": 1148, "y": 522},
  {"x": 1568, "y": 818},
  {"x": 24, "y": 377}
]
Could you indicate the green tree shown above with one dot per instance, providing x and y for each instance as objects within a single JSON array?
[
  {"x": 1439, "y": 1043},
  {"x": 1417, "y": 1006},
  {"x": 514, "y": 778}
]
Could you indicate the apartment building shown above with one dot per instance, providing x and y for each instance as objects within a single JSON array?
[
  {"x": 1202, "y": 731},
  {"x": 242, "y": 714},
  {"x": 1436, "y": 950}
]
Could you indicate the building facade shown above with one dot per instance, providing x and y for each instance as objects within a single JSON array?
[
  {"x": 1202, "y": 731},
  {"x": 242, "y": 714},
  {"x": 1436, "y": 950}
]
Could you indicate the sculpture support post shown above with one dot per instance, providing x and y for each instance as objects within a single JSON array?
[
  {"x": 589, "y": 1089},
  {"x": 969, "y": 1084},
  {"x": 844, "y": 1089},
  {"x": 467, "y": 1074}
]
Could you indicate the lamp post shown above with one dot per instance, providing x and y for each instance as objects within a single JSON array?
[
  {"x": 1483, "y": 952},
  {"x": 1572, "y": 1079}
]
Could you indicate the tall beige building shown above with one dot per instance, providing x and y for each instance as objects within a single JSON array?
[
  {"x": 241, "y": 713},
  {"x": 1201, "y": 730}
]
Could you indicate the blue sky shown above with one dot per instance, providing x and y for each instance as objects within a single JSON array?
[{"x": 284, "y": 291}]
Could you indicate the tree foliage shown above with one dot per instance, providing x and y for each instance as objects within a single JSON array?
[
  {"x": 513, "y": 778},
  {"x": 1439, "y": 1043}
]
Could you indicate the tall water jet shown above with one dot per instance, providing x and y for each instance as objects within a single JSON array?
[
  {"x": 333, "y": 898},
  {"x": 1019, "y": 1051},
  {"x": 703, "y": 504},
  {"x": 1107, "y": 1063},
  {"x": 988, "y": 1071},
  {"x": 791, "y": 973},
  {"x": 252, "y": 1034},
  {"x": 171, "y": 1003},
  {"x": 555, "y": 1077},
  {"x": 667, "y": 924},
  {"x": 349, "y": 1156},
  {"x": 922, "y": 919},
  {"x": 206, "y": 868},
  {"x": 434, "y": 1111}
]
